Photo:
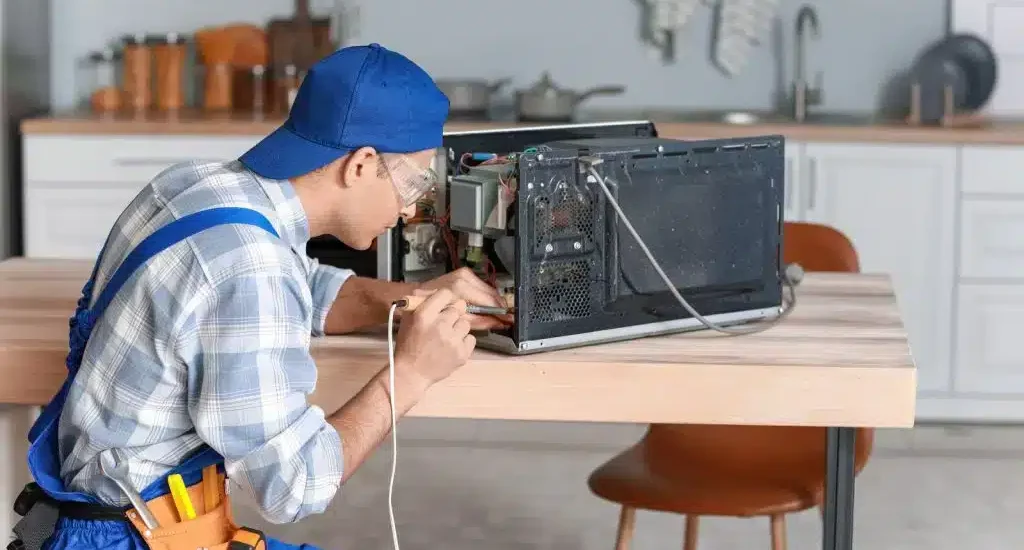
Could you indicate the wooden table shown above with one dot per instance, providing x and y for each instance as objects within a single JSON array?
[{"x": 841, "y": 360}]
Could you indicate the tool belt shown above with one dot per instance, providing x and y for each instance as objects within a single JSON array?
[{"x": 212, "y": 528}]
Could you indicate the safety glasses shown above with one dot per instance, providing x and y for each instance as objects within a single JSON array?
[{"x": 411, "y": 181}]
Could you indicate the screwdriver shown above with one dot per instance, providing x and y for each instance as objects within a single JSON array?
[{"x": 410, "y": 303}]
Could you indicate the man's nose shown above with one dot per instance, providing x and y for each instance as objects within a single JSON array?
[{"x": 408, "y": 211}]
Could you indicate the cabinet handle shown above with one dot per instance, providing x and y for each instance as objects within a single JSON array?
[
  {"x": 788, "y": 200},
  {"x": 812, "y": 183}
]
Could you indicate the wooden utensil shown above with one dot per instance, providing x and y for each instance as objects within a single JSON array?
[
  {"x": 299, "y": 40},
  {"x": 216, "y": 50},
  {"x": 250, "y": 45}
]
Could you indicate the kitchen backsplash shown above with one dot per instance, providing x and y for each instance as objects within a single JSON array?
[{"x": 582, "y": 42}]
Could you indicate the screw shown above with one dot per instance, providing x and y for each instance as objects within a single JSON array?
[
  {"x": 577, "y": 245},
  {"x": 540, "y": 156},
  {"x": 661, "y": 148},
  {"x": 548, "y": 248},
  {"x": 529, "y": 185}
]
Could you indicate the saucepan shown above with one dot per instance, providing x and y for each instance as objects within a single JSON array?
[
  {"x": 470, "y": 96},
  {"x": 545, "y": 101}
]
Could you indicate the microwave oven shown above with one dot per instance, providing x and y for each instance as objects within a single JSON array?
[{"x": 582, "y": 227}]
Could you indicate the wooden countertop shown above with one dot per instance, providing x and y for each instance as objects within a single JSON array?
[
  {"x": 197, "y": 123},
  {"x": 841, "y": 359}
]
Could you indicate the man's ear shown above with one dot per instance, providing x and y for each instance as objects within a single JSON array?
[{"x": 359, "y": 166}]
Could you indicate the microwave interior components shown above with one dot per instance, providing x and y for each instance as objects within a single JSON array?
[{"x": 522, "y": 208}]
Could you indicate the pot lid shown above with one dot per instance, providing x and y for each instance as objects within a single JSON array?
[{"x": 544, "y": 86}]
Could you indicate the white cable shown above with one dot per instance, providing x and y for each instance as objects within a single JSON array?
[
  {"x": 394, "y": 422},
  {"x": 668, "y": 282}
]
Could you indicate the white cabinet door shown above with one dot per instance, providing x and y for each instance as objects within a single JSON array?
[
  {"x": 794, "y": 160},
  {"x": 897, "y": 204},
  {"x": 992, "y": 239},
  {"x": 989, "y": 355},
  {"x": 72, "y": 220}
]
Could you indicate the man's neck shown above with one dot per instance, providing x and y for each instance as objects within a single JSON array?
[{"x": 315, "y": 207}]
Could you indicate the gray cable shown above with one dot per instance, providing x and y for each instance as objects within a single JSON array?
[{"x": 590, "y": 163}]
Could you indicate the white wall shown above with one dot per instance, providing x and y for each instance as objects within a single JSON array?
[{"x": 583, "y": 43}]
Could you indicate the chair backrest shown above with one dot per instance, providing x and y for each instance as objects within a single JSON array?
[
  {"x": 818, "y": 247},
  {"x": 785, "y": 451}
]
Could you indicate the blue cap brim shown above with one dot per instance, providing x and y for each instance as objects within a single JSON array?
[{"x": 284, "y": 154}]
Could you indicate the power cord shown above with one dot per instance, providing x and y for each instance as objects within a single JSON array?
[
  {"x": 394, "y": 422},
  {"x": 787, "y": 277}
]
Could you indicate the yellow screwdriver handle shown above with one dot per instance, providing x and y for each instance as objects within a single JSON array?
[{"x": 180, "y": 495}]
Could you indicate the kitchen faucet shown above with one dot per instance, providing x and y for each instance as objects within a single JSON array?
[{"x": 803, "y": 94}]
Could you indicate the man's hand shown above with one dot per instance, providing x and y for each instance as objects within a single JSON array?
[
  {"x": 434, "y": 339},
  {"x": 465, "y": 285},
  {"x": 432, "y": 342},
  {"x": 364, "y": 302}
]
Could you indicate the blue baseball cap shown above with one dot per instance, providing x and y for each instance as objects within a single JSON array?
[{"x": 359, "y": 96}]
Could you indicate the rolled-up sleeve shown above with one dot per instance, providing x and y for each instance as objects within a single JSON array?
[
  {"x": 325, "y": 282},
  {"x": 250, "y": 374}
]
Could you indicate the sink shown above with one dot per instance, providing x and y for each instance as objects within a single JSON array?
[{"x": 748, "y": 117}]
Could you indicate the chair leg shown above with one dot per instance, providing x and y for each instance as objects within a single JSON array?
[
  {"x": 690, "y": 533},
  {"x": 627, "y": 519},
  {"x": 778, "y": 531}
]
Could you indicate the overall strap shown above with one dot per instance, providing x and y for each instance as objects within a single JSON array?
[{"x": 169, "y": 235}]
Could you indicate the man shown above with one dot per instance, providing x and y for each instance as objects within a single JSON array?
[{"x": 190, "y": 347}]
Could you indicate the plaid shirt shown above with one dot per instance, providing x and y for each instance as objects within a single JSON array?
[{"x": 209, "y": 343}]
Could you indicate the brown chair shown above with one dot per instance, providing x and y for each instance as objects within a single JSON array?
[{"x": 738, "y": 471}]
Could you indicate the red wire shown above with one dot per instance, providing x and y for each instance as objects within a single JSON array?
[
  {"x": 449, "y": 241},
  {"x": 492, "y": 273}
]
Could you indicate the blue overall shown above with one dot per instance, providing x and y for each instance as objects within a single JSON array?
[{"x": 43, "y": 455}]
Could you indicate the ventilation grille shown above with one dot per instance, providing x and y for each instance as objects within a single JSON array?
[
  {"x": 568, "y": 213},
  {"x": 561, "y": 291}
]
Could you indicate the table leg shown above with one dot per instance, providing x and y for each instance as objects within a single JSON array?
[{"x": 837, "y": 533}]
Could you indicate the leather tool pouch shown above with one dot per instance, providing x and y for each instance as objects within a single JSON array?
[{"x": 212, "y": 529}]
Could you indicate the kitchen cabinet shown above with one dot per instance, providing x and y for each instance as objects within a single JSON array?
[
  {"x": 988, "y": 359},
  {"x": 75, "y": 186},
  {"x": 897, "y": 204}
]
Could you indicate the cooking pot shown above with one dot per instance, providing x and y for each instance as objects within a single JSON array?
[
  {"x": 469, "y": 96},
  {"x": 545, "y": 101}
]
